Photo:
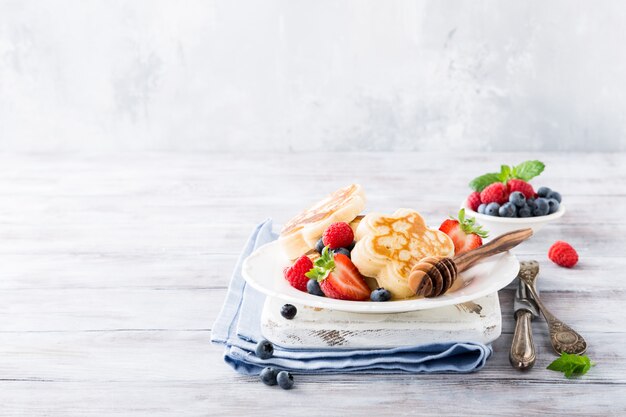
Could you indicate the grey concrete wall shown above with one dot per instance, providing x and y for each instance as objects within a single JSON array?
[{"x": 312, "y": 75}]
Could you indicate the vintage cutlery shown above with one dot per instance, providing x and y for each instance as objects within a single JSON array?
[
  {"x": 433, "y": 276},
  {"x": 522, "y": 354},
  {"x": 562, "y": 337}
]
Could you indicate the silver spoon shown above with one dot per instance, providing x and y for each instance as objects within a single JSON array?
[{"x": 562, "y": 337}]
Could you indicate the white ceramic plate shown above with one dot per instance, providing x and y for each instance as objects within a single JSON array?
[{"x": 263, "y": 270}]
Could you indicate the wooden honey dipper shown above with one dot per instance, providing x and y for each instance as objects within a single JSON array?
[{"x": 433, "y": 276}]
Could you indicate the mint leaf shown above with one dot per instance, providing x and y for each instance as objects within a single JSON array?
[
  {"x": 323, "y": 266},
  {"x": 528, "y": 170},
  {"x": 571, "y": 364},
  {"x": 505, "y": 173},
  {"x": 480, "y": 183}
]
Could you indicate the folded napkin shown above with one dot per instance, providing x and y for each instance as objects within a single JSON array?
[{"x": 238, "y": 328}]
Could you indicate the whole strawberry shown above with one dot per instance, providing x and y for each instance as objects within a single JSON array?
[
  {"x": 295, "y": 274},
  {"x": 495, "y": 193},
  {"x": 464, "y": 232},
  {"x": 338, "y": 235},
  {"x": 563, "y": 254},
  {"x": 473, "y": 201},
  {"x": 521, "y": 186}
]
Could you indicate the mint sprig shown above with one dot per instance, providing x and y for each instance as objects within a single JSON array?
[
  {"x": 323, "y": 266},
  {"x": 524, "y": 171},
  {"x": 571, "y": 365},
  {"x": 469, "y": 226}
]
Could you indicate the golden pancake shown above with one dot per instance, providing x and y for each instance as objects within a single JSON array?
[
  {"x": 389, "y": 246},
  {"x": 300, "y": 234}
]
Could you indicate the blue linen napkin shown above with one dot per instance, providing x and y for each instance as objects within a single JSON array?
[{"x": 238, "y": 328}]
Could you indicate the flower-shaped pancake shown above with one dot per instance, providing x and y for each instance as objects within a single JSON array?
[{"x": 388, "y": 246}]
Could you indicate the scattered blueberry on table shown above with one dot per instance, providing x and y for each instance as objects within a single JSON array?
[
  {"x": 269, "y": 376},
  {"x": 285, "y": 380},
  {"x": 264, "y": 349},
  {"x": 288, "y": 311}
]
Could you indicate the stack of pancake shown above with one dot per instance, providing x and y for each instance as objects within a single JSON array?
[{"x": 387, "y": 247}]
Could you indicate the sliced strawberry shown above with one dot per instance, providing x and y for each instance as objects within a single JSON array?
[
  {"x": 464, "y": 232},
  {"x": 339, "y": 278}
]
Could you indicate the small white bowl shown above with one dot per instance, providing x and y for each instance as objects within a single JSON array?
[{"x": 497, "y": 226}]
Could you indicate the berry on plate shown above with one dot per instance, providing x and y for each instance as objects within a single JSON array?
[
  {"x": 295, "y": 274},
  {"x": 319, "y": 246},
  {"x": 555, "y": 195},
  {"x": 507, "y": 210},
  {"x": 492, "y": 209},
  {"x": 481, "y": 208},
  {"x": 541, "y": 207},
  {"x": 518, "y": 198},
  {"x": 338, "y": 235},
  {"x": 553, "y": 205},
  {"x": 543, "y": 191},
  {"x": 343, "y": 251},
  {"x": 313, "y": 288},
  {"x": 464, "y": 232},
  {"x": 495, "y": 193},
  {"x": 563, "y": 254},
  {"x": 522, "y": 186},
  {"x": 338, "y": 277},
  {"x": 380, "y": 294},
  {"x": 473, "y": 201}
]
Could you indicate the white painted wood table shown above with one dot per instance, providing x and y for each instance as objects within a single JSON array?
[{"x": 113, "y": 268}]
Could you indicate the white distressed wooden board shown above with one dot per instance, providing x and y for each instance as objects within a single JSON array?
[{"x": 475, "y": 321}]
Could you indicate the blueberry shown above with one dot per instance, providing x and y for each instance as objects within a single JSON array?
[
  {"x": 285, "y": 380},
  {"x": 507, "y": 210},
  {"x": 351, "y": 245},
  {"x": 492, "y": 209},
  {"x": 532, "y": 204},
  {"x": 517, "y": 198},
  {"x": 343, "y": 251},
  {"x": 313, "y": 287},
  {"x": 524, "y": 211},
  {"x": 542, "y": 207},
  {"x": 553, "y": 205},
  {"x": 555, "y": 195},
  {"x": 481, "y": 208},
  {"x": 380, "y": 294},
  {"x": 288, "y": 311},
  {"x": 319, "y": 246},
  {"x": 543, "y": 191},
  {"x": 268, "y": 376},
  {"x": 264, "y": 349}
]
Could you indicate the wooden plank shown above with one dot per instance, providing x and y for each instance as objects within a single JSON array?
[{"x": 188, "y": 356}]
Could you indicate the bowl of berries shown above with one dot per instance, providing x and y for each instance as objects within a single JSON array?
[{"x": 506, "y": 201}]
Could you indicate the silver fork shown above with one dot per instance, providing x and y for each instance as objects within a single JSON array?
[{"x": 562, "y": 337}]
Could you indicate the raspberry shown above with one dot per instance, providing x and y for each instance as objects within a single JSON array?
[
  {"x": 521, "y": 186},
  {"x": 495, "y": 193},
  {"x": 473, "y": 201},
  {"x": 563, "y": 254},
  {"x": 338, "y": 235},
  {"x": 295, "y": 273}
]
